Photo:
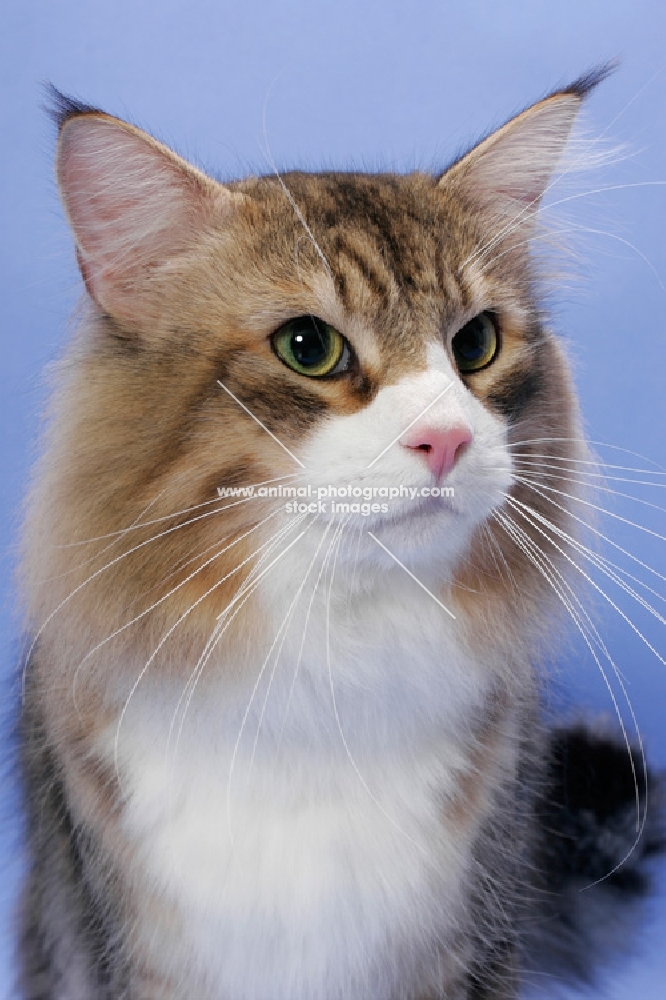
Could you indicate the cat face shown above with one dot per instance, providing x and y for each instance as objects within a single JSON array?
[{"x": 350, "y": 333}]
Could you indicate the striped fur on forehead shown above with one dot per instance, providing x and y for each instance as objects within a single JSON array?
[{"x": 396, "y": 250}]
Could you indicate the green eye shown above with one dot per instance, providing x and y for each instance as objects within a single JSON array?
[
  {"x": 476, "y": 344},
  {"x": 311, "y": 347}
]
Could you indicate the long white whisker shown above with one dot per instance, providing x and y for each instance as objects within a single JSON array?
[
  {"x": 579, "y": 229},
  {"x": 581, "y": 477},
  {"x": 305, "y": 627},
  {"x": 597, "y": 444},
  {"x": 246, "y": 588},
  {"x": 604, "y": 190},
  {"x": 166, "y": 636},
  {"x": 595, "y": 531},
  {"x": 409, "y": 573},
  {"x": 284, "y": 627},
  {"x": 411, "y": 424},
  {"x": 593, "y": 583},
  {"x": 547, "y": 237},
  {"x": 534, "y": 468},
  {"x": 258, "y": 421},
  {"x": 234, "y": 754},
  {"x": 531, "y": 549},
  {"x": 114, "y": 536},
  {"x": 165, "y": 597},
  {"x": 348, "y": 752},
  {"x": 178, "y": 513},
  {"x": 495, "y": 548},
  {"x": 533, "y": 209},
  {"x": 607, "y": 567},
  {"x": 597, "y": 464},
  {"x": 288, "y": 194},
  {"x": 602, "y": 510},
  {"x": 103, "y": 569},
  {"x": 242, "y": 595}
]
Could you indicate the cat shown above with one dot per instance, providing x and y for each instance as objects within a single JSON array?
[{"x": 288, "y": 590}]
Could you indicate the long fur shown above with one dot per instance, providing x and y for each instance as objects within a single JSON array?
[{"x": 277, "y": 751}]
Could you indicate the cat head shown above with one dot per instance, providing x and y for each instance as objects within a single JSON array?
[{"x": 343, "y": 332}]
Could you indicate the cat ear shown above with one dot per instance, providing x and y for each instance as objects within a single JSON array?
[
  {"x": 133, "y": 206},
  {"x": 509, "y": 171}
]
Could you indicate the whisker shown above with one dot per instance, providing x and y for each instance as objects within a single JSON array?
[
  {"x": 284, "y": 627},
  {"x": 180, "y": 565},
  {"x": 117, "y": 537},
  {"x": 533, "y": 552},
  {"x": 547, "y": 237},
  {"x": 597, "y": 444},
  {"x": 596, "y": 463},
  {"x": 605, "y": 538},
  {"x": 245, "y": 590},
  {"x": 290, "y": 197},
  {"x": 170, "y": 632},
  {"x": 496, "y": 550},
  {"x": 526, "y": 214},
  {"x": 249, "y": 704},
  {"x": 602, "y": 190},
  {"x": 533, "y": 209},
  {"x": 537, "y": 466},
  {"x": 579, "y": 229},
  {"x": 114, "y": 562},
  {"x": 178, "y": 513},
  {"x": 165, "y": 597},
  {"x": 305, "y": 627},
  {"x": 609, "y": 568},
  {"x": 348, "y": 752},
  {"x": 517, "y": 505},
  {"x": 602, "y": 510}
]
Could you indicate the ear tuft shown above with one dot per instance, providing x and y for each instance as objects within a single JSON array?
[
  {"x": 61, "y": 108},
  {"x": 588, "y": 81}
]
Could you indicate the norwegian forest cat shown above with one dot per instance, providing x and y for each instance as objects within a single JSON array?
[{"x": 289, "y": 580}]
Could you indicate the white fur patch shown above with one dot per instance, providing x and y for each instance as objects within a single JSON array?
[{"x": 309, "y": 856}]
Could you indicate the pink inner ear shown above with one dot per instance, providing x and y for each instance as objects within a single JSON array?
[
  {"x": 515, "y": 164},
  {"x": 131, "y": 203}
]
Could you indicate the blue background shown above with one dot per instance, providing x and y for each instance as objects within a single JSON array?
[{"x": 371, "y": 85}]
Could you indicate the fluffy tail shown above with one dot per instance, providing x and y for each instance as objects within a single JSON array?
[{"x": 597, "y": 835}]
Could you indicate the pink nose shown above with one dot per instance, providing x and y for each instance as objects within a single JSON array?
[{"x": 441, "y": 448}]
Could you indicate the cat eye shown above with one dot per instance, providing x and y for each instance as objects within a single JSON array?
[
  {"x": 311, "y": 347},
  {"x": 476, "y": 344}
]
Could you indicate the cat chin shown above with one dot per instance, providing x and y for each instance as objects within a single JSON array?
[
  {"x": 429, "y": 540},
  {"x": 432, "y": 533}
]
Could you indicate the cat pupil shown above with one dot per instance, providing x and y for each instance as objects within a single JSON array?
[
  {"x": 471, "y": 341},
  {"x": 309, "y": 347}
]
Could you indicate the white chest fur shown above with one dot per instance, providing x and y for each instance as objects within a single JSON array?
[{"x": 301, "y": 848}]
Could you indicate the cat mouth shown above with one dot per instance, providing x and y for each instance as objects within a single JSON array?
[{"x": 428, "y": 509}]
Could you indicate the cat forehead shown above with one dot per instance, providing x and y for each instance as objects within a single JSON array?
[
  {"x": 391, "y": 228},
  {"x": 390, "y": 258}
]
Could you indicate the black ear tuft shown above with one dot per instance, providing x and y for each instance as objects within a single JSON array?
[
  {"x": 588, "y": 81},
  {"x": 61, "y": 108}
]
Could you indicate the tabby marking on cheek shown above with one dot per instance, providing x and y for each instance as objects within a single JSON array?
[
  {"x": 516, "y": 392},
  {"x": 263, "y": 426}
]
